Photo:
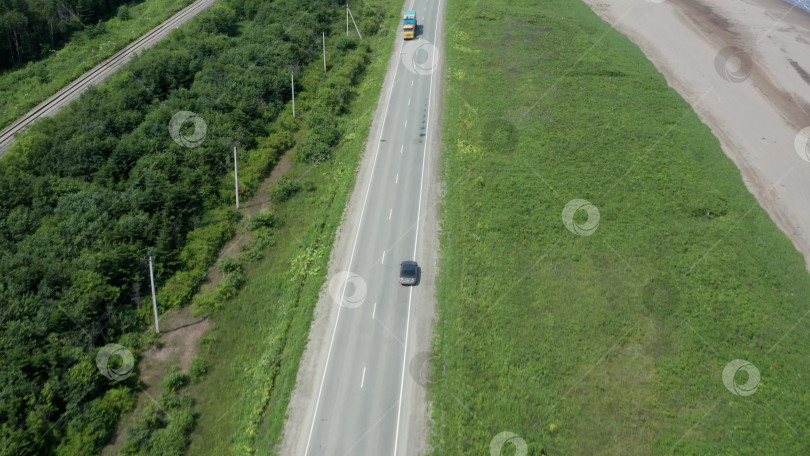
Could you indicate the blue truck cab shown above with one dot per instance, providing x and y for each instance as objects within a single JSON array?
[{"x": 409, "y": 25}]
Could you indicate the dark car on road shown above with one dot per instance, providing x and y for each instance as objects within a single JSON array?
[{"x": 407, "y": 272}]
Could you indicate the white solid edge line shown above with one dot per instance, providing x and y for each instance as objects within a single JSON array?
[
  {"x": 351, "y": 258},
  {"x": 416, "y": 240}
]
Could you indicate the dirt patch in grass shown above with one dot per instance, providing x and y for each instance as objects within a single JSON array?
[
  {"x": 259, "y": 202},
  {"x": 180, "y": 331},
  {"x": 179, "y": 342}
]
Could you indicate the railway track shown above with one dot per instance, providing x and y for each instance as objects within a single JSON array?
[{"x": 100, "y": 72}]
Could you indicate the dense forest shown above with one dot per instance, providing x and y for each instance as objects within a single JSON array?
[
  {"x": 89, "y": 194},
  {"x": 33, "y": 28}
]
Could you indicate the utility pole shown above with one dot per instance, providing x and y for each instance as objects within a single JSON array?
[
  {"x": 355, "y": 23},
  {"x": 154, "y": 296},
  {"x": 323, "y": 34},
  {"x": 236, "y": 176},
  {"x": 292, "y": 81},
  {"x": 347, "y": 19}
]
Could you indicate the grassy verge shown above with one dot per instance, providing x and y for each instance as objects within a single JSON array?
[
  {"x": 24, "y": 88},
  {"x": 258, "y": 337},
  {"x": 615, "y": 342}
]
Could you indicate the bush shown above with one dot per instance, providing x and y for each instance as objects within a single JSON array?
[
  {"x": 205, "y": 303},
  {"x": 372, "y": 16},
  {"x": 285, "y": 189},
  {"x": 314, "y": 150},
  {"x": 335, "y": 93},
  {"x": 161, "y": 432},
  {"x": 85, "y": 433},
  {"x": 123, "y": 13},
  {"x": 199, "y": 367},
  {"x": 322, "y": 124},
  {"x": 253, "y": 255},
  {"x": 229, "y": 265},
  {"x": 346, "y": 43},
  {"x": 231, "y": 286},
  {"x": 264, "y": 219},
  {"x": 263, "y": 238},
  {"x": 220, "y": 18},
  {"x": 175, "y": 380}
]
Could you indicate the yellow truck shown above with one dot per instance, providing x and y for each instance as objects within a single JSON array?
[{"x": 409, "y": 25}]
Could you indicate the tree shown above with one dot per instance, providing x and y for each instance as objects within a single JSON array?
[{"x": 13, "y": 24}]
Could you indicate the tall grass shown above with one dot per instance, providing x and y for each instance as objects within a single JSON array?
[{"x": 616, "y": 342}]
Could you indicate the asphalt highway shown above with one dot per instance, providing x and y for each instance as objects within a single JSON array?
[{"x": 358, "y": 401}]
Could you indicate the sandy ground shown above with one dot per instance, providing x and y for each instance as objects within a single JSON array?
[{"x": 744, "y": 66}]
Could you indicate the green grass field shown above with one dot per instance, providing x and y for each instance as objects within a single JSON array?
[
  {"x": 258, "y": 337},
  {"x": 613, "y": 343},
  {"x": 24, "y": 88}
]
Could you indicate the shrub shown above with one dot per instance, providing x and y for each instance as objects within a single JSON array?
[
  {"x": 372, "y": 16},
  {"x": 229, "y": 265},
  {"x": 123, "y": 13},
  {"x": 346, "y": 43},
  {"x": 220, "y": 18},
  {"x": 174, "y": 380},
  {"x": 253, "y": 255},
  {"x": 231, "y": 286},
  {"x": 285, "y": 189},
  {"x": 314, "y": 149},
  {"x": 199, "y": 367},
  {"x": 264, "y": 219},
  {"x": 322, "y": 124},
  {"x": 335, "y": 93}
]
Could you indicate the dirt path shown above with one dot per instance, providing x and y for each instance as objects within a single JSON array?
[
  {"x": 180, "y": 329},
  {"x": 260, "y": 202},
  {"x": 180, "y": 332}
]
